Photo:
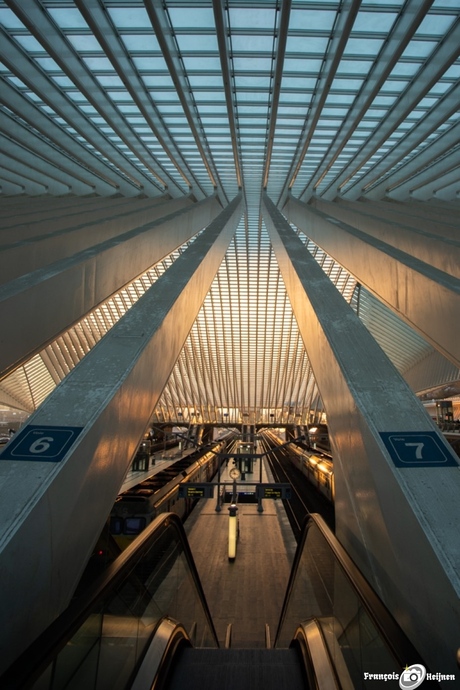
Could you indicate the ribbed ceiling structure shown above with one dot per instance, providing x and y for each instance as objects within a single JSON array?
[{"x": 350, "y": 102}]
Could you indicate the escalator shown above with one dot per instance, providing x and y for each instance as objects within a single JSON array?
[{"x": 145, "y": 624}]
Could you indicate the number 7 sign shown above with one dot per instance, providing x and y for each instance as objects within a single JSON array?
[{"x": 417, "y": 449}]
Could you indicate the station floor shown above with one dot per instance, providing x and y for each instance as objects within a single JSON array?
[{"x": 249, "y": 591}]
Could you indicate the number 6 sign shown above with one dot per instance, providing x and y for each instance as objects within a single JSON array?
[{"x": 41, "y": 443}]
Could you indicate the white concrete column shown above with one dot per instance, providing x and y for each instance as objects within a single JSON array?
[
  {"x": 60, "y": 475},
  {"x": 397, "y": 481}
]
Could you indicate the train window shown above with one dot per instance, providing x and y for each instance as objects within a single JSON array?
[
  {"x": 116, "y": 525},
  {"x": 134, "y": 525}
]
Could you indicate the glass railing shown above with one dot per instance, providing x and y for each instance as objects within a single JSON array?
[
  {"x": 360, "y": 635},
  {"x": 100, "y": 640}
]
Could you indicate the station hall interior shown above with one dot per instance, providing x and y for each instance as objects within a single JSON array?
[{"x": 232, "y": 215}]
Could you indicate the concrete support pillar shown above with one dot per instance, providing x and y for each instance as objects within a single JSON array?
[
  {"x": 61, "y": 473},
  {"x": 39, "y": 306},
  {"x": 424, "y": 296},
  {"x": 397, "y": 481}
]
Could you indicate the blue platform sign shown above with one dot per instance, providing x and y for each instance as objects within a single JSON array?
[
  {"x": 41, "y": 443},
  {"x": 417, "y": 449}
]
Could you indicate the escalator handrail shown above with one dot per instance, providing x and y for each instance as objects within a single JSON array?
[
  {"x": 36, "y": 658},
  {"x": 395, "y": 638}
]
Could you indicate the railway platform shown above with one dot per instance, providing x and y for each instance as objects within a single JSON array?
[{"x": 247, "y": 592}]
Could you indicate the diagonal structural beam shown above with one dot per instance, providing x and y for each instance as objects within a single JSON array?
[
  {"x": 62, "y": 235},
  {"x": 222, "y": 34},
  {"x": 42, "y": 304},
  {"x": 20, "y": 64},
  {"x": 99, "y": 21},
  {"x": 396, "y": 519},
  {"x": 341, "y": 34},
  {"x": 285, "y": 14},
  {"x": 165, "y": 37},
  {"x": 36, "y": 147},
  {"x": 60, "y": 181},
  {"x": 424, "y": 296},
  {"x": 443, "y": 57},
  {"x": 106, "y": 179},
  {"x": 440, "y": 173},
  {"x": 108, "y": 398},
  {"x": 380, "y": 176}
]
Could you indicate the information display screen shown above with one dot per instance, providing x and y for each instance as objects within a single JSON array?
[
  {"x": 190, "y": 490},
  {"x": 274, "y": 491}
]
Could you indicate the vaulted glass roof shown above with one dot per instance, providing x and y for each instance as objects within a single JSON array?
[{"x": 339, "y": 100}]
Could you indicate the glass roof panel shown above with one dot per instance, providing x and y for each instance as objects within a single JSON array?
[
  {"x": 29, "y": 43},
  {"x": 306, "y": 45},
  {"x": 253, "y": 18},
  {"x": 374, "y": 22},
  {"x": 85, "y": 42},
  {"x": 140, "y": 43},
  {"x": 129, "y": 17},
  {"x": 9, "y": 20},
  {"x": 191, "y": 17},
  {"x": 67, "y": 17}
]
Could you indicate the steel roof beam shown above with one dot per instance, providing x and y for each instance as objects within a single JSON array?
[
  {"x": 45, "y": 141},
  {"x": 388, "y": 516},
  {"x": 19, "y": 63},
  {"x": 164, "y": 35},
  {"x": 433, "y": 69},
  {"x": 222, "y": 33},
  {"x": 7, "y": 186},
  {"x": 338, "y": 41},
  {"x": 426, "y": 169},
  {"x": 369, "y": 183},
  {"x": 39, "y": 172},
  {"x": 37, "y": 21},
  {"x": 28, "y": 304},
  {"x": 407, "y": 23},
  {"x": 27, "y": 185},
  {"x": 103, "y": 29},
  {"x": 420, "y": 294},
  {"x": 282, "y": 33},
  {"x": 441, "y": 219},
  {"x": 110, "y": 395},
  {"x": 108, "y": 178},
  {"x": 44, "y": 158},
  {"x": 45, "y": 209}
]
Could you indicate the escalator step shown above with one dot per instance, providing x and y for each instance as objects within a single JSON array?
[{"x": 241, "y": 669}]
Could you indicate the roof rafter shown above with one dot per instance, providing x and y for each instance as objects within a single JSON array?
[
  {"x": 434, "y": 68},
  {"x": 165, "y": 38},
  {"x": 222, "y": 32},
  {"x": 338, "y": 41}
]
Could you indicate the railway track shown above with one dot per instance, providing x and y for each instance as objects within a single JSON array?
[{"x": 305, "y": 499}]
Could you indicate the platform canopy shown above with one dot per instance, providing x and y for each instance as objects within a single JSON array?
[{"x": 349, "y": 107}]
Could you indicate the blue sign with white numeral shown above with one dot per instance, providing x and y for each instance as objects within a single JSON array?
[
  {"x": 41, "y": 443},
  {"x": 417, "y": 449}
]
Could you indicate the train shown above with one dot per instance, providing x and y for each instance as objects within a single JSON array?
[
  {"x": 316, "y": 466},
  {"x": 135, "y": 508}
]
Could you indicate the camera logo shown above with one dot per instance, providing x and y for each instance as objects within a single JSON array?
[{"x": 412, "y": 677}]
